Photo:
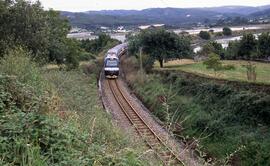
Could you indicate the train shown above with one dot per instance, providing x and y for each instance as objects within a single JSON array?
[{"x": 112, "y": 60}]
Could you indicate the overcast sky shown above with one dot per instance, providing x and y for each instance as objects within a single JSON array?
[{"x": 85, "y": 5}]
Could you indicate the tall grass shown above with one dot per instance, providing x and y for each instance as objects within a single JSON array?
[
  {"x": 54, "y": 118},
  {"x": 18, "y": 63},
  {"x": 229, "y": 124}
]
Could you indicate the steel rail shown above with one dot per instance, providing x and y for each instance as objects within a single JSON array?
[{"x": 172, "y": 154}]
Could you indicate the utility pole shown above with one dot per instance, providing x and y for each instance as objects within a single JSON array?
[{"x": 141, "y": 65}]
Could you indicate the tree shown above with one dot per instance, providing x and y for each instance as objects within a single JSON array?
[
  {"x": 211, "y": 47},
  {"x": 160, "y": 45},
  {"x": 264, "y": 45},
  {"x": 58, "y": 30},
  {"x": 97, "y": 45},
  {"x": 213, "y": 62},
  {"x": 232, "y": 50},
  {"x": 248, "y": 45},
  {"x": 72, "y": 53},
  {"x": 27, "y": 24},
  {"x": 227, "y": 31},
  {"x": 205, "y": 35}
]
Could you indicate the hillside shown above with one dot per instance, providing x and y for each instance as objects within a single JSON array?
[
  {"x": 242, "y": 10},
  {"x": 261, "y": 14},
  {"x": 168, "y": 16}
]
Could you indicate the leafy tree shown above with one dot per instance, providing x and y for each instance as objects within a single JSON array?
[
  {"x": 205, "y": 35},
  {"x": 24, "y": 23},
  {"x": 211, "y": 47},
  {"x": 227, "y": 31},
  {"x": 58, "y": 30},
  {"x": 27, "y": 24},
  {"x": 72, "y": 53},
  {"x": 213, "y": 62},
  {"x": 160, "y": 45},
  {"x": 264, "y": 45},
  {"x": 102, "y": 42},
  {"x": 232, "y": 50},
  {"x": 248, "y": 45}
]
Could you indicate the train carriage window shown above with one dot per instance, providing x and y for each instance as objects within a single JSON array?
[{"x": 112, "y": 63}]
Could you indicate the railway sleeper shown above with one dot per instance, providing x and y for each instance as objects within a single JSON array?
[
  {"x": 139, "y": 125},
  {"x": 173, "y": 162},
  {"x": 133, "y": 116},
  {"x": 143, "y": 128},
  {"x": 151, "y": 137}
]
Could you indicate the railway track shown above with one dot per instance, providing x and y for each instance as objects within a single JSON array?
[{"x": 167, "y": 156}]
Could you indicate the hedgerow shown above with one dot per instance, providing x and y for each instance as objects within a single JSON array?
[{"x": 231, "y": 124}]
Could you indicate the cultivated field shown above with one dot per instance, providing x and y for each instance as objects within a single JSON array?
[{"x": 239, "y": 74}]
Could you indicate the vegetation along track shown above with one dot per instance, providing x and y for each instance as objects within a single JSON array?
[{"x": 167, "y": 155}]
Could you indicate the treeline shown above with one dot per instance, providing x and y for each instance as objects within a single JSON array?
[
  {"x": 103, "y": 42},
  {"x": 247, "y": 48},
  {"x": 43, "y": 34}
]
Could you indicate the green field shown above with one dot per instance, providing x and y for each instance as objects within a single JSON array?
[{"x": 239, "y": 74}]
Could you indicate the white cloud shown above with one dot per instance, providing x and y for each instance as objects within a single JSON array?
[{"x": 85, "y": 5}]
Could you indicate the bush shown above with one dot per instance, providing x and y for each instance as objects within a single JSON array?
[
  {"x": 147, "y": 62},
  {"x": 227, "y": 31},
  {"x": 86, "y": 56},
  {"x": 18, "y": 63},
  {"x": 205, "y": 35},
  {"x": 213, "y": 62},
  {"x": 218, "y": 34}
]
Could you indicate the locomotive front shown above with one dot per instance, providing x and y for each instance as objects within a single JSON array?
[{"x": 111, "y": 66}]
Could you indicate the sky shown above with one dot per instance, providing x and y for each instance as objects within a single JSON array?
[{"x": 86, "y": 5}]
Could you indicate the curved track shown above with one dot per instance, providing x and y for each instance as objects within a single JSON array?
[{"x": 168, "y": 156}]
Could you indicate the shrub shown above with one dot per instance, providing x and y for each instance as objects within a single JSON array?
[
  {"x": 147, "y": 62},
  {"x": 227, "y": 31},
  {"x": 218, "y": 34},
  {"x": 205, "y": 35},
  {"x": 213, "y": 62},
  {"x": 17, "y": 62},
  {"x": 251, "y": 71},
  {"x": 86, "y": 56}
]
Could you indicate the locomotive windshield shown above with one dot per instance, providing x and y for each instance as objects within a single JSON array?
[{"x": 112, "y": 63}]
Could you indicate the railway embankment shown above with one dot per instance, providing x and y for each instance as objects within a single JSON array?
[
  {"x": 120, "y": 110},
  {"x": 54, "y": 117},
  {"x": 229, "y": 120}
]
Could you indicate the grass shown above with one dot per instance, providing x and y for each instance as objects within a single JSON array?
[
  {"x": 231, "y": 125},
  {"x": 239, "y": 74},
  {"x": 79, "y": 92},
  {"x": 53, "y": 117}
]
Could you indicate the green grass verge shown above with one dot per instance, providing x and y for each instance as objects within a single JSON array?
[
  {"x": 230, "y": 125},
  {"x": 54, "y": 118},
  {"x": 239, "y": 74}
]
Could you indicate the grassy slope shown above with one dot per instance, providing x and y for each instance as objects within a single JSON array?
[
  {"x": 79, "y": 93},
  {"x": 225, "y": 121},
  {"x": 263, "y": 70},
  {"x": 54, "y": 118}
]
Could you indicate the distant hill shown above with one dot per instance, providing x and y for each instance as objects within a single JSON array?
[
  {"x": 168, "y": 16},
  {"x": 261, "y": 14},
  {"x": 242, "y": 10}
]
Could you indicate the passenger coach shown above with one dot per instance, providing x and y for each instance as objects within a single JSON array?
[{"x": 112, "y": 60}]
